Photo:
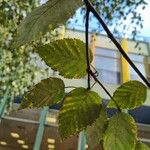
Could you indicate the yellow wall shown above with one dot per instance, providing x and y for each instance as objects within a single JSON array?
[{"x": 125, "y": 74}]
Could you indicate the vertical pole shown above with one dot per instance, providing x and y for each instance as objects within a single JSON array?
[
  {"x": 148, "y": 61},
  {"x": 40, "y": 131},
  {"x": 124, "y": 63},
  {"x": 81, "y": 141},
  {"x": 147, "y": 66},
  {"x": 3, "y": 103}
]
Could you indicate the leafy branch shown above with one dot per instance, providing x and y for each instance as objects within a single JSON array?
[
  {"x": 81, "y": 108},
  {"x": 110, "y": 35},
  {"x": 89, "y": 71},
  {"x": 107, "y": 92}
]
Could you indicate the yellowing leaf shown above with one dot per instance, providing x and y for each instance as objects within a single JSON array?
[
  {"x": 120, "y": 133},
  {"x": 81, "y": 108},
  {"x": 46, "y": 17},
  {"x": 129, "y": 95},
  {"x": 66, "y": 56},
  {"x": 47, "y": 92}
]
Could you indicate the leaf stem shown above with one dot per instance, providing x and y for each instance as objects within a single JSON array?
[
  {"x": 103, "y": 87},
  {"x": 87, "y": 47},
  {"x": 110, "y": 35}
]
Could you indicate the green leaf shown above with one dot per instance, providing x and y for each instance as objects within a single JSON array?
[
  {"x": 129, "y": 95},
  {"x": 94, "y": 133},
  {"x": 66, "y": 56},
  {"x": 120, "y": 133},
  {"x": 81, "y": 108},
  {"x": 46, "y": 17},
  {"x": 46, "y": 93},
  {"x": 141, "y": 146}
]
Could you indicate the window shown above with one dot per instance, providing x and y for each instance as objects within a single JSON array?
[
  {"x": 107, "y": 63},
  {"x": 141, "y": 114},
  {"x": 141, "y": 63}
]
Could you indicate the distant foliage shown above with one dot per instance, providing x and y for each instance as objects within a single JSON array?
[
  {"x": 18, "y": 70},
  {"x": 116, "y": 12}
]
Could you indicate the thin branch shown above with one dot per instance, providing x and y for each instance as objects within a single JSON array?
[
  {"x": 95, "y": 71},
  {"x": 103, "y": 87},
  {"x": 72, "y": 87},
  {"x": 87, "y": 46},
  {"x": 110, "y": 35},
  {"x": 89, "y": 71},
  {"x": 93, "y": 84}
]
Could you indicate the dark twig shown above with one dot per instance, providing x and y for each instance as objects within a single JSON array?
[
  {"x": 93, "y": 84},
  {"x": 89, "y": 71},
  {"x": 87, "y": 46},
  {"x": 110, "y": 35},
  {"x": 95, "y": 71},
  {"x": 103, "y": 87},
  {"x": 72, "y": 87}
]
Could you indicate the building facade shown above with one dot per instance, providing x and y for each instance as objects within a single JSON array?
[{"x": 37, "y": 129}]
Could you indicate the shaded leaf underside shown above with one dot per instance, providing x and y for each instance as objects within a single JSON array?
[
  {"x": 46, "y": 17},
  {"x": 94, "y": 133},
  {"x": 46, "y": 93}
]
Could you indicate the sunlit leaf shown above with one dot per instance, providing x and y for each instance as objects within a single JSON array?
[
  {"x": 66, "y": 56},
  {"x": 81, "y": 108},
  {"x": 141, "y": 146},
  {"x": 129, "y": 95},
  {"x": 46, "y": 17},
  {"x": 46, "y": 93},
  {"x": 120, "y": 133},
  {"x": 94, "y": 133}
]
